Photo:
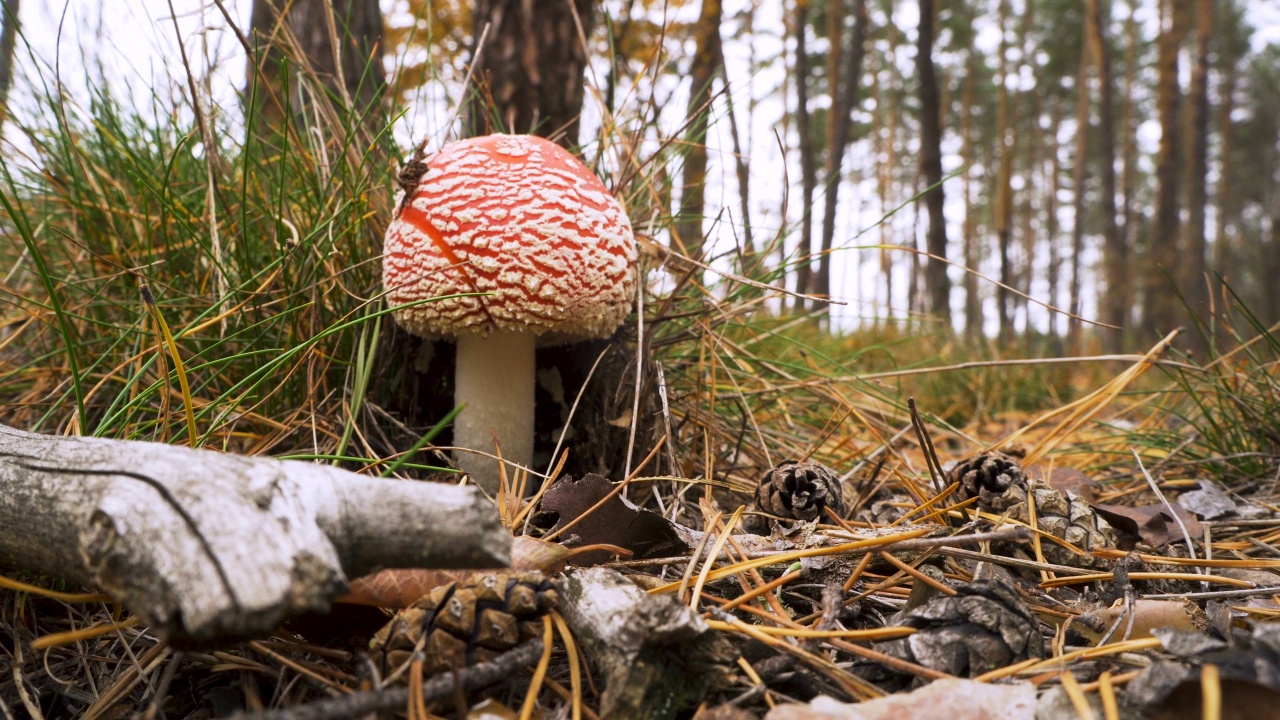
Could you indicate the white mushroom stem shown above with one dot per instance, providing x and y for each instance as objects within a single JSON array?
[{"x": 495, "y": 379}]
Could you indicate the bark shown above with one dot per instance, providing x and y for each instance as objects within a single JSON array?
[
  {"x": 207, "y": 546},
  {"x": 937, "y": 284},
  {"x": 885, "y": 172},
  {"x": 530, "y": 72},
  {"x": 845, "y": 79},
  {"x": 702, "y": 73},
  {"x": 1128, "y": 148},
  {"x": 1054, "y": 184},
  {"x": 298, "y": 59},
  {"x": 1192, "y": 266},
  {"x": 8, "y": 44},
  {"x": 1004, "y": 183},
  {"x": 656, "y": 656},
  {"x": 1223, "y": 259},
  {"x": 1027, "y": 118},
  {"x": 972, "y": 302},
  {"x": 808, "y": 165},
  {"x": 1162, "y": 304},
  {"x": 1117, "y": 299},
  {"x": 1079, "y": 176}
]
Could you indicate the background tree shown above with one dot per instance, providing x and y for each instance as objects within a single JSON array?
[
  {"x": 1161, "y": 308},
  {"x": 530, "y": 72},
  {"x": 1116, "y": 301},
  {"x": 808, "y": 163},
  {"x": 702, "y": 73},
  {"x": 8, "y": 43},
  {"x": 843, "y": 79},
  {"x": 937, "y": 283},
  {"x": 1192, "y": 265},
  {"x": 304, "y": 47}
]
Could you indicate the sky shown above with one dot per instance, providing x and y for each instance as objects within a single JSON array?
[{"x": 133, "y": 45}]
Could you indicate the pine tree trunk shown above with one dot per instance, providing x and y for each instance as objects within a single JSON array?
[
  {"x": 529, "y": 74},
  {"x": 1192, "y": 257},
  {"x": 1223, "y": 258},
  {"x": 1004, "y": 183},
  {"x": 1128, "y": 147},
  {"x": 808, "y": 165},
  {"x": 1161, "y": 303},
  {"x": 937, "y": 283},
  {"x": 845, "y": 76},
  {"x": 1116, "y": 300},
  {"x": 8, "y": 43},
  {"x": 702, "y": 72},
  {"x": 972, "y": 301},
  {"x": 1026, "y": 120},
  {"x": 1079, "y": 176},
  {"x": 1054, "y": 271},
  {"x": 328, "y": 46}
]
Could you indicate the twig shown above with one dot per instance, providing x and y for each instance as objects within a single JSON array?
[
  {"x": 390, "y": 699},
  {"x": 1164, "y": 501}
]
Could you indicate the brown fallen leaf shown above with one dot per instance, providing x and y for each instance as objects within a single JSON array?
[
  {"x": 1148, "y": 615},
  {"x": 401, "y": 587},
  {"x": 1151, "y": 524},
  {"x": 1066, "y": 480},
  {"x": 615, "y": 522},
  {"x": 962, "y": 699}
]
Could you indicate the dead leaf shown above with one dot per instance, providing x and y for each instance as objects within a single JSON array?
[
  {"x": 1066, "y": 480},
  {"x": 963, "y": 700},
  {"x": 401, "y": 587},
  {"x": 616, "y": 522},
  {"x": 1151, "y": 524},
  {"x": 1148, "y": 615}
]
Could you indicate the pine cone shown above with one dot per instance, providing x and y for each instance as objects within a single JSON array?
[
  {"x": 1001, "y": 486},
  {"x": 994, "y": 478},
  {"x": 799, "y": 490},
  {"x": 1067, "y": 516},
  {"x": 984, "y": 626},
  {"x": 466, "y": 622}
]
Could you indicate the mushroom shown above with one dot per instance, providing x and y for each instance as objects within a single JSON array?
[{"x": 538, "y": 248}]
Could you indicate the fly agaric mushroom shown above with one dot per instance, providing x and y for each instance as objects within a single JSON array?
[{"x": 524, "y": 222}]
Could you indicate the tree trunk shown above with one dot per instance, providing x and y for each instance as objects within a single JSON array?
[
  {"x": 1192, "y": 264},
  {"x": 1128, "y": 148},
  {"x": 529, "y": 74},
  {"x": 1026, "y": 119},
  {"x": 972, "y": 302},
  {"x": 702, "y": 72},
  {"x": 297, "y": 58},
  {"x": 1161, "y": 303},
  {"x": 1223, "y": 260},
  {"x": 8, "y": 43},
  {"x": 1054, "y": 271},
  {"x": 1116, "y": 301},
  {"x": 937, "y": 283},
  {"x": 1079, "y": 177},
  {"x": 808, "y": 165},
  {"x": 1004, "y": 182},
  {"x": 844, "y": 97}
]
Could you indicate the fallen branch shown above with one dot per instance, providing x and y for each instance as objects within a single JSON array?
[
  {"x": 360, "y": 704},
  {"x": 209, "y": 546}
]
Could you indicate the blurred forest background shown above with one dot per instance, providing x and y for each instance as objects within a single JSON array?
[{"x": 1094, "y": 156}]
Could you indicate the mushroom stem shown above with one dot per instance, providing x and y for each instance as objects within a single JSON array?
[{"x": 495, "y": 378}]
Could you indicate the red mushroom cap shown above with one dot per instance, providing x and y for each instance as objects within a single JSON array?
[{"x": 520, "y": 218}]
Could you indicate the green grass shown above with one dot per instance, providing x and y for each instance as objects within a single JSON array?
[{"x": 262, "y": 257}]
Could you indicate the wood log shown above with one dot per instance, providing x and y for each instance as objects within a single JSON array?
[{"x": 205, "y": 546}]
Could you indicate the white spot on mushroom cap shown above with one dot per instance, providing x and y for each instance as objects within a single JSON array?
[{"x": 520, "y": 218}]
